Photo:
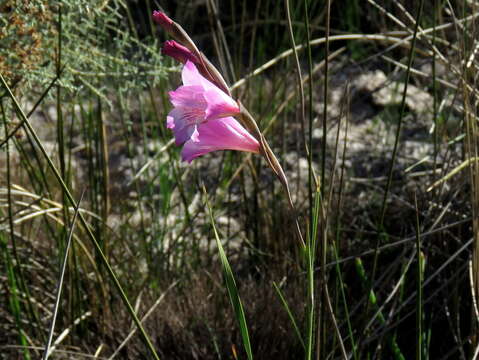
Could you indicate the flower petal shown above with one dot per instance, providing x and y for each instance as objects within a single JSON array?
[
  {"x": 219, "y": 134},
  {"x": 219, "y": 105},
  {"x": 188, "y": 96},
  {"x": 170, "y": 121},
  {"x": 190, "y": 75},
  {"x": 185, "y": 134},
  {"x": 182, "y": 127}
]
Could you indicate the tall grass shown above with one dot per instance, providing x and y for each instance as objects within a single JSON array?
[{"x": 372, "y": 113}]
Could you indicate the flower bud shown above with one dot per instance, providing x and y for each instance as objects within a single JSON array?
[
  {"x": 178, "y": 52},
  {"x": 163, "y": 20}
]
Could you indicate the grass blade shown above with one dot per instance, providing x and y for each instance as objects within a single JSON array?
[
  {"x": 290, "y": 314},
  {"x": 231, "y": 285},
  {"x": 419, "y": 281},
  {"x": 46, "y": 352}
]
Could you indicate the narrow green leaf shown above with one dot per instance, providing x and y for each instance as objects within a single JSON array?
[
  {"x": 290, "y": 314},
  {"x": 231, "y": 286}
]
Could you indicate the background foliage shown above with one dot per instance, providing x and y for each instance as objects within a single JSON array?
[{"x": 391, "y": 267}]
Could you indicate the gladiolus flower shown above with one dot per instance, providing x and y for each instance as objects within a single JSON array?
[
  {"x": 179, "y": 52},
  {"x": 201, "y": 117},
  {"x": 197, "y": 101}
]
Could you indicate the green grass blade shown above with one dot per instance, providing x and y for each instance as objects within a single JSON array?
[
  {"x": 60, "y": 280},
  {"x": 392, "y": 343},
  {"x": 14, "y": 296},
  {"x": 419, "y": 282},
  {"x": 290, "y": 314},
  {"x": 401, "y": 117},
  {"x": 231, "y": 286}
]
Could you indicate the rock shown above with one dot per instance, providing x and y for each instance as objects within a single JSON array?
[
  {"x": 417, "y": 100},
  {"x": 370, "y": 81},
  {"x": 389, "y": 93}
]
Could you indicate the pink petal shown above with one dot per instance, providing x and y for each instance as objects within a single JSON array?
[
  {"x": 182, "y": 125},
  {"x": 188, "y": 96},
  {"x": 190, "y": 75},
  {"x": 219, "y": 134},
  {"x": 219, "y": 104},
  {"x": 185, "y": 134},
  {"x": 195, "y": 135},
  {"x": 170, "y": 121}
]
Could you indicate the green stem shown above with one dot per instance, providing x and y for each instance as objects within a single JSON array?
[
  {"x": 419, "y": 347},
  {"x": 380, "y": 228}
]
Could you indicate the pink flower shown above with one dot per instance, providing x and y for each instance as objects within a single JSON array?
[
  {"x": 201, "y": 117},
  {"x": 178, "y": 52},
  {"x": 163, "y": 20}
]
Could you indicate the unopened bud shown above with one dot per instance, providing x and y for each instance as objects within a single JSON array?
[
  {"x": 163, "y": 20},
  {"x": 179, "y": 52}
]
